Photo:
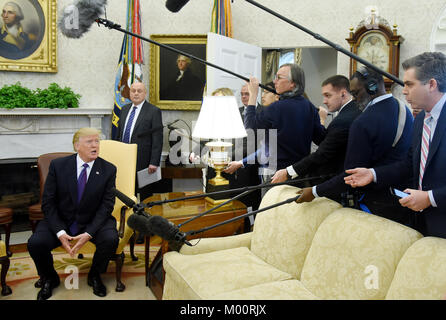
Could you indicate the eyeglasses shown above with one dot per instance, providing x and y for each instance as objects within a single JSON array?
[{"x": 279, "y": 76}]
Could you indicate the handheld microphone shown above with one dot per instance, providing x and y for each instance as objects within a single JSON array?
[
  {"x": 78, "y": 18},
  {"x": 175, "y": 5}
]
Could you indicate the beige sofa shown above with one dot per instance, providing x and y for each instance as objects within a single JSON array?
[{"x": 316, "y": 250}]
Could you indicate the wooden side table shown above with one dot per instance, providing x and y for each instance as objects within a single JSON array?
[{"x": 180, "y": 211}]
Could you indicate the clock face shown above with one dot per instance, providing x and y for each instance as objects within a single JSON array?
[{"x": 374, "y": 48}]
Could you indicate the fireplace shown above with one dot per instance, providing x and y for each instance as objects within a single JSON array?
[{"x": 25, "y": 134}]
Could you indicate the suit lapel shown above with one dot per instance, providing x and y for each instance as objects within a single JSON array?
[
  {"x": 140, "y": 119},
  {"x": 438, "y": 134},
  {"x": 72, "y": 178}
]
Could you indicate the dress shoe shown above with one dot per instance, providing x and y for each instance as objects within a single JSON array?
[
  {"x": 98, "y": 287},
  {"x": 47, "y": 288},
  {"x": 38, "y": 283}
]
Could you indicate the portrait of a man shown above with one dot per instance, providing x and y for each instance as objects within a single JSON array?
[
  {"x": 182, "y": 78},
  {"x": 23, "y": 24}
]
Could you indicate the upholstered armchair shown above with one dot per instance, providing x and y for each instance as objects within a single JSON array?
[
  {"x": 43, "y": 164},
  {"x": 4, "y": 261},
  {"x": 123, "y": 156}
]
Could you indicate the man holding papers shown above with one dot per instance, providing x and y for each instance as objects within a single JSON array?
[{"x": 141, "y": 123}]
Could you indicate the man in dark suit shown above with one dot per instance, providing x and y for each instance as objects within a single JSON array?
[
  {"x": 329, "y": 157},
  {"x": 77, "y": 203},
  {"x": 424, "y": 88},
  {"x": 141, "y": 123},
  {"x": 379, "y": 136}
]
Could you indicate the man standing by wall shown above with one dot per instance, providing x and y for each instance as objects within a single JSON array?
[{"x": 141, "y": 123}]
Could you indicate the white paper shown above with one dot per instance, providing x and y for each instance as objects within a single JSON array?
[{"x": 145, "y": 178}]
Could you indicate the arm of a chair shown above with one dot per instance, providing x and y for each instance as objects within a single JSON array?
[
  {"x": 205, "y": 245},
  {"x": 124, "y": 214},
  {"x": 2, "y": 249}
]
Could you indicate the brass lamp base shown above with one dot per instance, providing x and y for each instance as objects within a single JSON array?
[{"x": 214, "y": 202}]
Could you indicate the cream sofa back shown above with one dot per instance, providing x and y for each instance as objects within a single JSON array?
[
  {"x": 354, "y": 255},
  {"x": 282, "y": 236},
  {"x": 421, "y": 273}
]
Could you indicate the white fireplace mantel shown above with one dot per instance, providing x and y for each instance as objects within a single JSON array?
[{"x": 28, "y": 132}]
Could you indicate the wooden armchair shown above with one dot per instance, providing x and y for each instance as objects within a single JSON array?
[
  {"x": 4, "y": 261},
  {"x": 123, "y": 156}
]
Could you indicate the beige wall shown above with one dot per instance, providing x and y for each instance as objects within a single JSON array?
[{"x": 88, "y": 65}]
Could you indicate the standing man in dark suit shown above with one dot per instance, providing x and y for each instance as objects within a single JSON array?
[
  {"x": 329, "y": 157},
  {"x": 424, "y": 88},
  {"x": 141, "y": 123},
  {"x": 379, "y": 136},
  {"x": 77, "y": 203}
]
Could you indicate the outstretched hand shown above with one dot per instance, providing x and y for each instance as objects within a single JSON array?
[
  {"x": 232, "y": 167},
  {"x": 306, "y": 195},
  {"x": 358, "y": 177}
]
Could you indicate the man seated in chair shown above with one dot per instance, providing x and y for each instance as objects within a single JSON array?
[{"x": 77, "y": 203}]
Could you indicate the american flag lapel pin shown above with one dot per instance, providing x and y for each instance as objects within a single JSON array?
[{"x": 97, "y": 172}]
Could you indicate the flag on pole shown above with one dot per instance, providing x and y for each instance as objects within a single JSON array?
[
  {"x": 222, "y": 18},
  {"x": 129, "y": 64}
]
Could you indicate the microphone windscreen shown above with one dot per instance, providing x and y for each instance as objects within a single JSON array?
[
  {"x": 77, "y": 19},
  {"x": 175, "y": 5},
  {"x": 126, "y": 200},
  {"x": 140, "y": 223},
  {"x": 162, "y": 227}
]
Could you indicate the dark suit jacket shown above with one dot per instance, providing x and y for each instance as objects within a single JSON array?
[
  {"x": 297, "y": 122},
  {"x": 370, "y": 144},
  {"x": 330, "y": 156},
  {"x": 432, "y": 221},
  {"x": 147, "y": 134},
  {"x": 59, "y": 199}
]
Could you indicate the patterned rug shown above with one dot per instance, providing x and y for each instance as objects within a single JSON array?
[{"x": 22, "y": 275}]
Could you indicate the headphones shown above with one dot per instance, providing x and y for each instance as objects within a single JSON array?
[{"x": 371, "y": 84}]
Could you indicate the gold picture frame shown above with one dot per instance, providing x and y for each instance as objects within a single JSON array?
[
  {"x": 165, "y": 91},
  {"x": 36, "y": 51}
]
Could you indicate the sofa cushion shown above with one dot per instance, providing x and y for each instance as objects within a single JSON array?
[
  {"x": 421, "y": 273},
  {"x": 354, "y": 255},
  {"x": 278, "y": 290},
  {"x": 202, "y": 276},
  {"x": 283, "y": 235}
]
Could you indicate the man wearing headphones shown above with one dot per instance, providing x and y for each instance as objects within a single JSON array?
[{"x": 379, "y": 136}]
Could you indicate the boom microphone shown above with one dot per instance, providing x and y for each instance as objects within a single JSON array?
[
  {"x": 78, "y": 18},
  {"x": 137, "y": 207},
  {"x": 159, "y": 226},
  {"x": 175, "y": 5}
]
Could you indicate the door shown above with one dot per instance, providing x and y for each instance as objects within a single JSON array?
[{"x": 234, "y": 55}]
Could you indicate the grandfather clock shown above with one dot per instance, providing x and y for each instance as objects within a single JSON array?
[{"x": 377, "y": 43}]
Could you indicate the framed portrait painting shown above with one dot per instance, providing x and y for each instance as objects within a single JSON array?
[
  {"x": 28, "y": 38},
  {"x": 177, "y": 82}
]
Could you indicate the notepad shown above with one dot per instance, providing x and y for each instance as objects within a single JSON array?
[{"x": 145, "y": 178}]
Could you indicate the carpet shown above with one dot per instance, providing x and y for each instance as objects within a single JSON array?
[{"x": 73, "y": 272}]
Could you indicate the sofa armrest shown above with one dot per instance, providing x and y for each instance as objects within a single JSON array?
[{"x": 205, "y": 245}]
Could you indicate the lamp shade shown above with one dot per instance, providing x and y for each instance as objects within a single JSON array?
[{"x": 219, "y": 118}]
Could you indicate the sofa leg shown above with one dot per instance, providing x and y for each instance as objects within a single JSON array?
[
  {"x": 120, "y": 287},
  {"x": 6, "y": 290}
]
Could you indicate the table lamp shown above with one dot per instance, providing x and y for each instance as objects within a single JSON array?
[{"x": 219, "y": 119}]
